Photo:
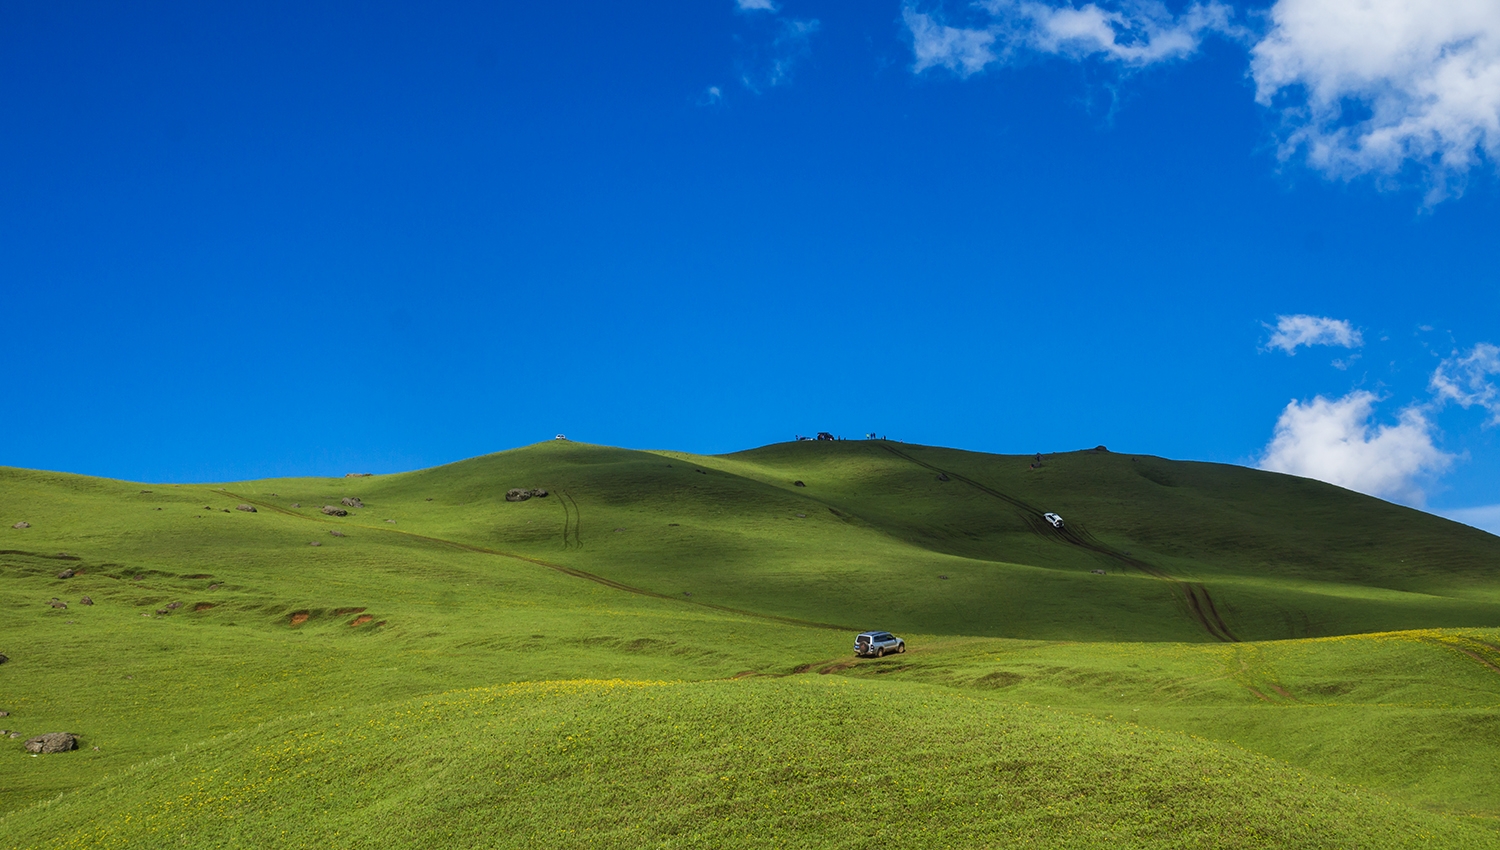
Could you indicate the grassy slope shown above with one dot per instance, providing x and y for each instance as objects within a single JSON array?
[{"x": 1412, "y": 715}]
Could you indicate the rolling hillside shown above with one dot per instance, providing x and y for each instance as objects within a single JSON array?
[{"x": 1263, "y": 659}]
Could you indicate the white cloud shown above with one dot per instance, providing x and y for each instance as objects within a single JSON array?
[
  {"x": 1373, "y": 86},
  {"x": 1466, "y": 380},
  {"x": 1335, "y": 441},
  {"x": 963, "y": 51},
  {"x": 1484, "y": 517},
  {"x": 772, "y": 65},
  {"x": 1301, "y": 329},
  {"x": 1134, "y": 33},
  {"x": 755, "y": 5}
]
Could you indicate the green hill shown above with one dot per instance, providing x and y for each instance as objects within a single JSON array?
[{"x": 1265, "y": 661}]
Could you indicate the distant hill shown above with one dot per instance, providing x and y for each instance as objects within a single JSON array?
[{"x": 657, "y": 653}]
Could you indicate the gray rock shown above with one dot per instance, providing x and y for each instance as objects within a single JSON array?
[
  {"x": 161, "y": 612},
  {"x": 249, "y": 509},
  {"x": 315, "y": 543},
  {"x": 358, "y": 474},
  {"x": 351, "y": 502},
  {"x": 391, "y": 521},
  {"x": 333, "y": 511},
  {"x": 174, "y": 606},
  {"x": 86, "y": 601},
  {"x": 22, "y": 524},
  {"x": 336, "y": 533},
  {"x": 58, "y": 603},
  {"x": 1097, "y": 572},
  {"x": 52, "y": 742},
  {"x": 3, "y": 659},
  {"x": 798, "y": 484},
  {"x": 66, "y": 574},
  {"x": 539, "y": 493},
  {"x": 296, "y": 504},
  {"x": 139, "y": 577},
  {"x": 517, "y": 494},
  {"x": 4, "y": 713},
  {"x": 213, "y": 587}
]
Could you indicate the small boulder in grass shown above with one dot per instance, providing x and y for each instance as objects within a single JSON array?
[
  {"x": 330, "y": 510},
  {"x": 336, "y": 533},
  {"x": 351, "y": 502},
  {"x": 87, "y": 600},
  {"x": 67, "y": 574},
  {"x": 315, "y": 543},
  {"x": 3, "y": 659},
  {"x": 22, "y": 524},
  {"x": 58, "y": 603},
  {"x": 249, "y": 509},
  {"x": 52, "y": 742}
]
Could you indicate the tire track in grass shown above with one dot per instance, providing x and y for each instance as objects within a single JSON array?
[
  {"x": 577, "y": 522},
  {"x": 1193, "y": 595},
  {"x": 568, "y": 571}
]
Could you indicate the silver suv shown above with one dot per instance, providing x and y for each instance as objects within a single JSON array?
[{"x": 877, "y": 644}]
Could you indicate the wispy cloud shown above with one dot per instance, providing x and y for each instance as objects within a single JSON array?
[
  {"x": 778, "y": 45},
  {"x": 1130, "y": 33},
  {"x": 1465, "y": 379},
  {"x": 935, "y": 45},
  {"x": 1336, "y": 441},
  {"x": 1377, "y": 86},
  {"x": 1301, "y": 329}
]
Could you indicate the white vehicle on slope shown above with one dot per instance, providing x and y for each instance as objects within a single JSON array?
[{"x": 1054, "y": 519}]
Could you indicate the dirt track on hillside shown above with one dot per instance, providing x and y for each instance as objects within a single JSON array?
[{"x": 1193, "y": 596}]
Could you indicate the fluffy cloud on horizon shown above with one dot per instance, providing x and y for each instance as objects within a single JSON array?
[
  {"x": 1302, "y": 329},
  {"x": 1335, "y": 441}
]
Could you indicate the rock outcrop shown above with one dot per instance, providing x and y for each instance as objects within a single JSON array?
[{"x": 52, "y": 742}]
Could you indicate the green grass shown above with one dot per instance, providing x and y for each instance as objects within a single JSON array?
[{"x": 1360, "y": 711}]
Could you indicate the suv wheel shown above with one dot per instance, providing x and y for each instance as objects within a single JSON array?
[
  {"x": 901, "y": 648},
  {"x": 880, "y": 653}
]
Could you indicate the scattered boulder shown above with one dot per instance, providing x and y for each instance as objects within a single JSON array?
[
  {"x": 351, "y": 502},
  {"x": 87, "y": 600},
  {"x": 798, "y": 484},
  {"x": 1100, "y": 449},
  {"x": 336, "y": 533},
  {"x": 801, "y": 516},
  {"x": 139, "y": 577},
  {"x": 358, "y": 474},
  {"x": 333, "y": 511},
  {"x": 315, "y": 543},
  {"x": 214, "y": 586},
  {"x": 944, "y": 578},
  {"x": 58, "y": 603},
  {"x": 162, "y": 612},
  {"x": 249, "y": 509},
  {"x": 3, "y": 659},
  {"x": 619, "y": 529},
  {"x": 52, "y": 742},
  {"x": 517, "y": 494},
  {"x": 943, "y": 476},
  {"x": 174, "y": 606},
  {"x": 1097, "y": 572},
  {"x": 296, "y": 504},
  {"x": 67, "y": 574},
  {"x": 22, "y": 524},
  {"x": 4, "y": 713},
  {"x": 144, "y": 492}
]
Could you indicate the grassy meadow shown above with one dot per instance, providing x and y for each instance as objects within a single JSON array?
[{"x": 657, "y": 654}]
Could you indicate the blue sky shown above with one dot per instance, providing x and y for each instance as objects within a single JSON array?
[{"x": 242, "y": 240}]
